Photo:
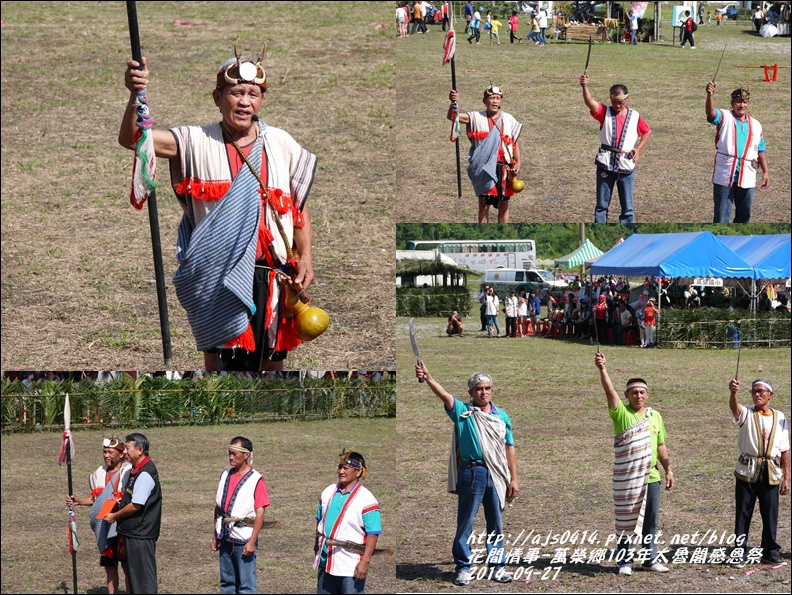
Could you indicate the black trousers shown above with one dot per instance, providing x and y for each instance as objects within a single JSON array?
[
  {"x": 142, "y": 564},
  {"x": 745, "y": 497}
]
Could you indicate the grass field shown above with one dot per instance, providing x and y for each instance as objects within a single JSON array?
[
  {"x": 78, "y": 287},
  {"x": 559, "y": 139},
  {"x": 297, "y": 461},
  {"x": 564, "y": 435}
]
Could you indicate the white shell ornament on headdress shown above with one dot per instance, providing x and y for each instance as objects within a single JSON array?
[{"x": 246, "y": 72}]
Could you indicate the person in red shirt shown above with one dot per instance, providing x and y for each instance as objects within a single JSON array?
[{"x": 687, "y": 30}]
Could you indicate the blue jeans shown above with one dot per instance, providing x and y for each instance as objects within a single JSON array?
[
  {"x": 651, "y": 517},
  {"x": 492, "y": 319},
  {"x": 726, "y": 196},
  {"x": 633, "y": 36},
  {"x": 624, "y": 183},
  {"x": 237, "y": 572},
  {"x": 475, "y": 487},
  {"x": 328, "y": 583}
]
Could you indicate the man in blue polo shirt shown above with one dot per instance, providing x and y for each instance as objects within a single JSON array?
[
  {"x": 484, "y": 472},
  {"x": 739, "y": 145}
]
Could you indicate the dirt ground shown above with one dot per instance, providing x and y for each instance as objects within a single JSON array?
[
  {"x": 78, "y": 288},
  {"x": 559, "y": 140}
]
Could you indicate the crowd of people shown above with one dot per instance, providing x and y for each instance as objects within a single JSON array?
[{"x": 603, "y": 310}]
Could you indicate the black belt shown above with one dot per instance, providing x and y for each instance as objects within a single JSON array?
[
  {"x": 474, "y": 463},
  {"x": 609, "y": 148}
]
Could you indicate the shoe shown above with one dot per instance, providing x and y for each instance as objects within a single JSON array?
[
  {"x": 478, "y": 43},
  {"x": 501, "y": 577},
  {"x": 656, "y": 567},
  {"x": 692, "y": 47},
  {"x": 738, "y": 564},
  {"x": 773, "y": 559},
  {"x": 462, "y": 578},
  {"x": 626, "y": 570}
]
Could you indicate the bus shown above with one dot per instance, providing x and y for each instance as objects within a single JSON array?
[{"x": 480, "y": 255}]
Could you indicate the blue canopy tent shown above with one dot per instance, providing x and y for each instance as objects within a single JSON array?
[
  {"x": 770, "y": 255},
  {"x": 689, "y": 254}
]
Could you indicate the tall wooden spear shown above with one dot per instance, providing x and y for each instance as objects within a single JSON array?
[
  {"x": 449, "y": 49},
  {"x": 143, "y": 186},
  {"x": 67, "y": 453}
]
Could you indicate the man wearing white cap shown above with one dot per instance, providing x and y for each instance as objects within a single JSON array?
[
  {"x": 762, "y": 471},
  {"x": 482, "y": 469},
  {"x": 639, "y": 444}
]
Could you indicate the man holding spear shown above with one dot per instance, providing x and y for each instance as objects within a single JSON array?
[
  {"x": 494, "y": 153},
  {"x": 245, "y": 238}
]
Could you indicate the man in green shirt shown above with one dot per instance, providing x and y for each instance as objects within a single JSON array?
[{"x": 640, "y": 439}]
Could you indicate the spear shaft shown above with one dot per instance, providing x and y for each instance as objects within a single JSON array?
[{"x": 156, "y": 244}]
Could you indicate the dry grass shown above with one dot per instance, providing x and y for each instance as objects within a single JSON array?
[
  {"x": 78, "y": 286},
  {"x": 551, "y": 390},
  {"x": 559, "y": 139},
  {"x": 297, "y": 460}
]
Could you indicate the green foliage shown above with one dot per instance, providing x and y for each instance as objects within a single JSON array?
[
  {"x": 156, "y": 401},
  {"x": 432, "y": 301},
  {"x": 716, "y": 327}
]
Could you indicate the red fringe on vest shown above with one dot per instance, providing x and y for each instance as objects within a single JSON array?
[
  {"x": 202, "y": 190},
  {"x": 244, "y": 341}
]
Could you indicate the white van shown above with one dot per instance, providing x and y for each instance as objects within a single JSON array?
[{"x": 503, "y": 279}]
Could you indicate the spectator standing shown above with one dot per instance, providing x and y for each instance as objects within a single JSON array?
[
  {"x": 522, "y": 313},
  {"x": 418, "y": 18},
  {"x": 534, "y": 311},
  {"x": 402, "y": 19},
  {"x": 650, "y": 321},
  {"x": 542, "y": 21},
  {"x": 492, "y": 312},
  {"x": 510, "y": 308},
  {"x": 468, "y": 16},
  {"x": 140, "y": 515},
  {"x": 758, "y": 18},
  {"x": 633, "y": 27},
  {"x": 444, "y": 14}
]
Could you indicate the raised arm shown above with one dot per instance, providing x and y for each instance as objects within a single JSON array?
[
  {"x": 709, "y": 106},
  {"x": 592, "y": 104},
  {"x": 610, "y": 392},
  {"x": 734, "y": 405},
  {"x": 135, "y": 79},
  {"x": 447, "y": 398}
]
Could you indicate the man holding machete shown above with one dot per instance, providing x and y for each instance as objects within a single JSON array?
[
  {"x": 739, "y": 146},
  {"x": 482, "y": 469},
  {"x": 623, "y": 136},
  {"x": 243, "y": 186}
]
